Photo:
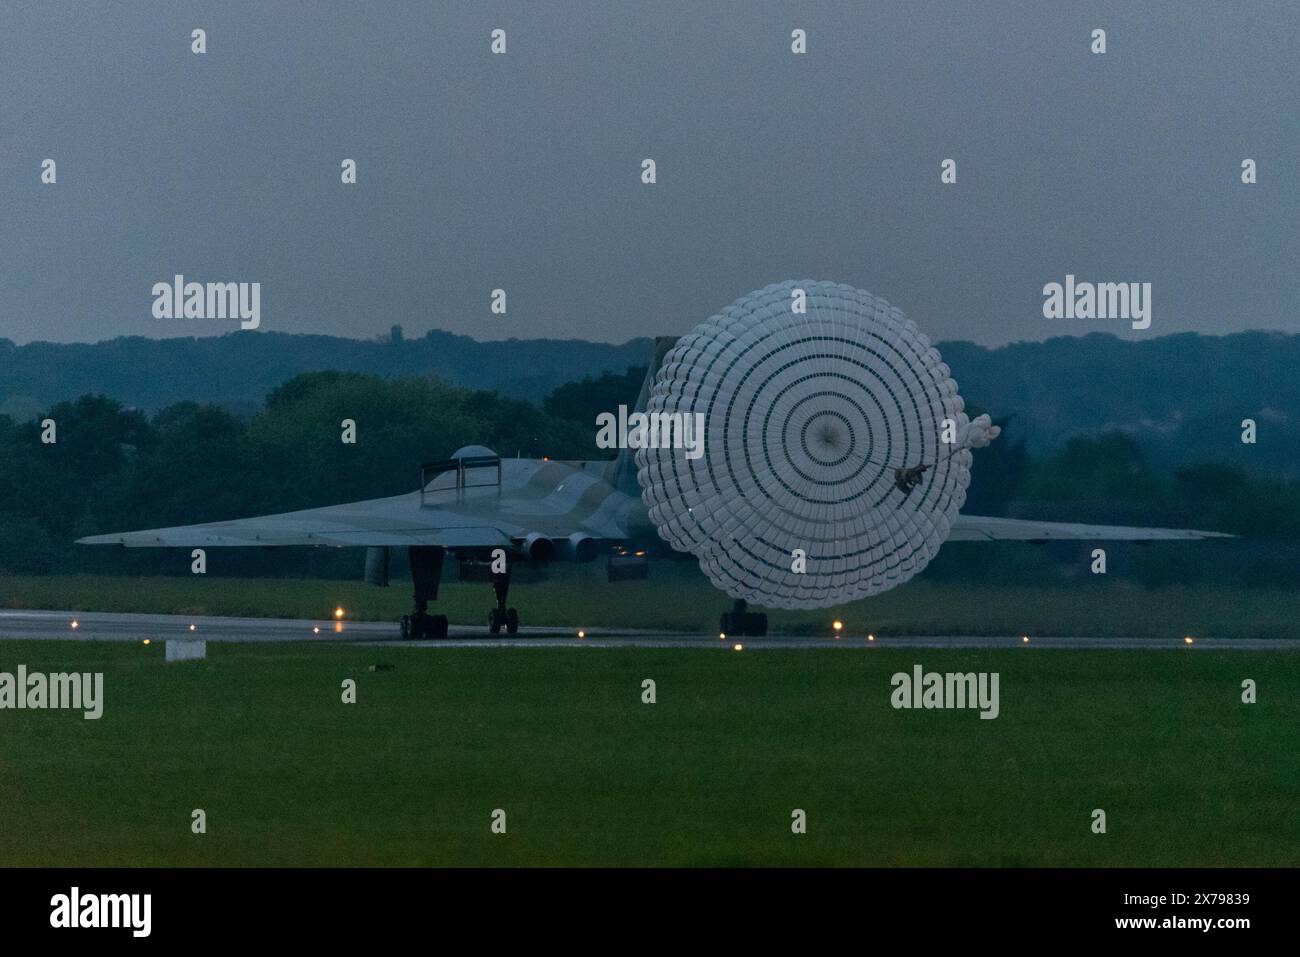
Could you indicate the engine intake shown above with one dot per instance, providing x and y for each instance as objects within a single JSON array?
[
  {"x": 579, "y": 548},
  {"x": 538, "y": 548}
]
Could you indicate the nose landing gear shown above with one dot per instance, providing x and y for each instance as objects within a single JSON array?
[{"x": 501, "y": 616}]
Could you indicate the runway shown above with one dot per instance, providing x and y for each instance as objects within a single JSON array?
[{"x": 108, "y": 626}]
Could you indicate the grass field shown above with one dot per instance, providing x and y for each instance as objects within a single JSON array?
[
  {"x": 678, "y": 598},
  {"x": 288, "y": 775}
]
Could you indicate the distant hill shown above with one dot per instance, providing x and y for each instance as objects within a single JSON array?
[
  {"x": 1183, "y": 396},
  {"x": 238, "y": 369}
]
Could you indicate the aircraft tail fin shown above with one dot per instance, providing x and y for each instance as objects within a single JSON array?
[{"x": 621, "y": 473}]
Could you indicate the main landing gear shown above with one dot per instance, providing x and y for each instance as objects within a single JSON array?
[
  {"x": 740, "y": 621},
  {"x": 501, "y": 616},
  {"x": 426, "y": 571}
]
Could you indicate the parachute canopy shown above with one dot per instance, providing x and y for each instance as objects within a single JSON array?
[{"x": 808, "y": 417}]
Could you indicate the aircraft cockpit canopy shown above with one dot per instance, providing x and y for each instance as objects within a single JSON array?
[{"x": 472, "y": 466}]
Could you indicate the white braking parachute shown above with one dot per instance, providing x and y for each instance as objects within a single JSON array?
[{"x": 836, "y": 448}]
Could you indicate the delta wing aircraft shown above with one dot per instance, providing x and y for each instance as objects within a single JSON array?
[{"x": 477, "y": 506}]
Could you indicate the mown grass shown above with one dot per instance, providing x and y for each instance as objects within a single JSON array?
[
  {"x": 258, "y": 737},
  {"x": 678, "y": 598}
]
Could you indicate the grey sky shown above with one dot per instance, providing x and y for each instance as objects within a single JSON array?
[{"x": 523, "y": 171}]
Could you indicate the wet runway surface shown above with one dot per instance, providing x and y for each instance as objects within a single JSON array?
[{"x": 106, "y": 626}]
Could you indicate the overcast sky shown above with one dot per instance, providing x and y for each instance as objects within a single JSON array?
[{"x": 522, "y": 171}]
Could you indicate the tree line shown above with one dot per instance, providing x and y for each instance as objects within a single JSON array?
[{"x": 112, "y": 468}]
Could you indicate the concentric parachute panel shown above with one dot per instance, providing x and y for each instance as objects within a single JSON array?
[{"x": 809, "y": 491}]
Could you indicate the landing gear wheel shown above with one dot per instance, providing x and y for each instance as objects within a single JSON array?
[
  {"x": 426, "y": 567},
  {"x": 740, "y": 622},
  {"x": 501, "y": 615},
  {"x": 421, "y": 627}
]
